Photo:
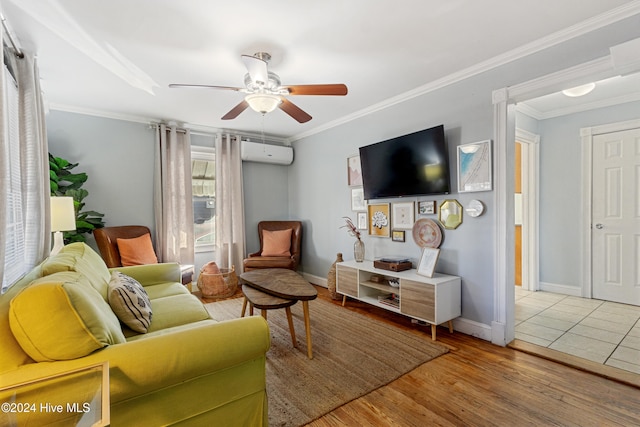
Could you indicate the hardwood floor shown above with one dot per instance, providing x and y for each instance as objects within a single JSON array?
[{"x": 479, "y": 384}]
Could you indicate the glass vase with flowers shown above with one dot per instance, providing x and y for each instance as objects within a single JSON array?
[{"x": 358, "y": 246}]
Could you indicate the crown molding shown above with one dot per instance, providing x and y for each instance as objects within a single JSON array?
[
  {"x": 559, "y": 112},
  {"x": 100, "y": 113},
  {"x": 209, "y": 130},
  {"x": 610, "y": 17}
]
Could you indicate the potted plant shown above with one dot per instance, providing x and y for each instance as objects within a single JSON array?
[{"x": 65, "y": 183}]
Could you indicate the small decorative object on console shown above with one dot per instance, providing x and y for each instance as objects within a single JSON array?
[{"x": 393, "y": 264}]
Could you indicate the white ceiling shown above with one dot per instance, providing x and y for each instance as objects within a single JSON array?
[{"x": 116, "y": 57}]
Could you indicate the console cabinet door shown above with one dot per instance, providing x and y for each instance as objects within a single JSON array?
[
  {"x": 347, "y": 281},
  {"x": 418, "y": 300}
]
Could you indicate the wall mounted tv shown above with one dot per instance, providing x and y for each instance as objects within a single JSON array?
[{"x": 409, "y": 165}]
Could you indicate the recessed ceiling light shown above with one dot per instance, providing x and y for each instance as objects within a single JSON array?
[{"x": 579, "y": 90}]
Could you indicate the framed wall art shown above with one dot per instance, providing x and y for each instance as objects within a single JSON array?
[
  {"x": 379, "y": 222},
  {"x": 427, "y": 208},
  {"x": 402, "y": 215},
  {"x": 357, "y": 199},
  {"x": 354, "y": 171},
  {"x": 397, "y": 235},
  {"x": 428, "y": 260},
  {"x": 474, "y": 167},
  {"x": 362, "y": 221}
]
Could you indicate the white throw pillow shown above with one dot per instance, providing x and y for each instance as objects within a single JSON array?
[{"x": 130, "y": 302}]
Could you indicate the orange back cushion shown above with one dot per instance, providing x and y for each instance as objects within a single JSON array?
[
  {"x": 276, "y": 243},
  {"x": 137, "y": 251}
]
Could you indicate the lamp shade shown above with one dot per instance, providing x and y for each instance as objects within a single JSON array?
[
  {"x": 263, "y": 102},
  {"x": 63, "y": 215}
]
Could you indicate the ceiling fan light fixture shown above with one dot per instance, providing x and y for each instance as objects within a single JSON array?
[
  {"x": 263, "y": 102},
  {"x": 579, "y": 90}
]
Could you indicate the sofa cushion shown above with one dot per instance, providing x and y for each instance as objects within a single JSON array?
[
  {"x": 62, "y": 317},
  {"x": 276, "y": 242},
  {"x": 177, "y": 310},
  {"x": 167, "y": 289},
  {"x": 137, "y": 251},
  {"x": 81, "y": 258},
  {"x": 130, "y": 302}
]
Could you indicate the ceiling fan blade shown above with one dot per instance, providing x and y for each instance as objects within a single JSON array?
[
  {"x": 180, "y": 85},
  {"x": 257, "y": 68},
  {"x": 330, "y": 89},
  {"x": 235, "y": 111},
  {"x": 294, "y": 111}
]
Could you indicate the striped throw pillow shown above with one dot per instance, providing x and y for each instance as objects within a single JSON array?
[{"x": 130, "y": 302}]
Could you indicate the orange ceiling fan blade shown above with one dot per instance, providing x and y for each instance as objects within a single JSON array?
[
  {"x": 330, "y": 89},
  {"x": 235, "y": 111},
  {"x": 294, "y": 111},
  {"x": 181, "y": 85}
]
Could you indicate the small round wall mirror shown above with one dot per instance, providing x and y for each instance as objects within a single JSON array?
[
  {"x": 450, "y": 214},
  {"x": 475, "y": 208}
]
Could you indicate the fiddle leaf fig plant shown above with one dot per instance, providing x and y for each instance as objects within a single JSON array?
[{"x": 63, "y": 182}]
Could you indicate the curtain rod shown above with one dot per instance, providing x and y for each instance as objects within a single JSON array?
[{"x": 15, "y": 46}]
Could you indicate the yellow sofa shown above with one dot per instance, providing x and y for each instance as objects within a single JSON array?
[{"x": 187, "y": 369}]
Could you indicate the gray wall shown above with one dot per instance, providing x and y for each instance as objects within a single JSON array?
[
  {"x": 266, "y": 196},
  {"x": 118, "y": 158},
  {"x": 320, "y": 195}
]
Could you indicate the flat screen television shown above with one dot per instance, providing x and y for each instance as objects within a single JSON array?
[{"x": 409, "y": 165}]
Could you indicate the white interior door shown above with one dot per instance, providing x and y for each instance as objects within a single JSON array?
[{"x": 616, "y": 217}]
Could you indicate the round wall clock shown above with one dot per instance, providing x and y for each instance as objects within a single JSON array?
[{"x": 475, "y": 208}]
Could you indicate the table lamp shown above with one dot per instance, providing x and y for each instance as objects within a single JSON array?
[{"x": 63, "y": 218}]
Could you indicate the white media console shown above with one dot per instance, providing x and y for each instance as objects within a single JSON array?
[{"x": 434, "y": 300}]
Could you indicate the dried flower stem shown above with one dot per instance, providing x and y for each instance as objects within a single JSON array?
[{"x": 351, "y": 228}]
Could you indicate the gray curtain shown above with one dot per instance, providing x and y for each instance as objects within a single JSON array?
[
  {"x": 173, "y": 202},
  {"x": 230, "y": 240}
]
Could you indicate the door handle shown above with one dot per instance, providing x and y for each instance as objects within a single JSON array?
[{"x": 599, "y": 226}]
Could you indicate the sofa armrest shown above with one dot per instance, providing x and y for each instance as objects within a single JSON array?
[
  {"x": 152, "y": 274},
  {"x": 166, "y": 360},
  {"x": 150, "y": 364}
]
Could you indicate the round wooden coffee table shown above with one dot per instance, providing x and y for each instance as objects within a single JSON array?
[{"x": 285, "y": 284}]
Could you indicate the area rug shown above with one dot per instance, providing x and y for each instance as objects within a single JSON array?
[{"x": 352, "y": 356}]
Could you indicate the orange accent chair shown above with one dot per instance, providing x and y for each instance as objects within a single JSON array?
[{"x": 258, "y": 260}]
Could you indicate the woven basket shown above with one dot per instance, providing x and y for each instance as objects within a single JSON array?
[{"x": 221, "y": 285}]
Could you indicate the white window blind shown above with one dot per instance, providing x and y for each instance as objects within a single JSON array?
[{"x": 14, "y": 262}]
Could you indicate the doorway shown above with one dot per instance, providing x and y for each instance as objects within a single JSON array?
[
  {"x": 526, "y": 218},
  {"x": 612, "y": 224}
]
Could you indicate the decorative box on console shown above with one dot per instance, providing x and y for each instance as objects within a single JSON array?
[{"x": 393, "y": 264}]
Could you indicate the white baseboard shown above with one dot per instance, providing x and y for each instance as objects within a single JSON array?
[
  {"x": 316, "y": 280},
  {"x": 470, "y": 327},
  {"x": 558, "y": 288}
]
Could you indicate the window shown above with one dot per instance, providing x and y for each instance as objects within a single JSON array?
[
  {"x": 203, "y": 183},
  {"x": 14, "y": 261}
]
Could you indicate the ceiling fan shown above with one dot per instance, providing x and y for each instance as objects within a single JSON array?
[{"x": 265, "y": 93}]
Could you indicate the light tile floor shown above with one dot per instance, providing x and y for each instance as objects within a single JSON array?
[{"x": 601, "y": 331}]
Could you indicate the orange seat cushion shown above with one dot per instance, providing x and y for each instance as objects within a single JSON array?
[
  {"x": 276, "y": 243},
  {"x": 137, "y": 251}
]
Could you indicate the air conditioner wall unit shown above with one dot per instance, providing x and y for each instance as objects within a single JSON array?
[{"x": 266, "y": 153}]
